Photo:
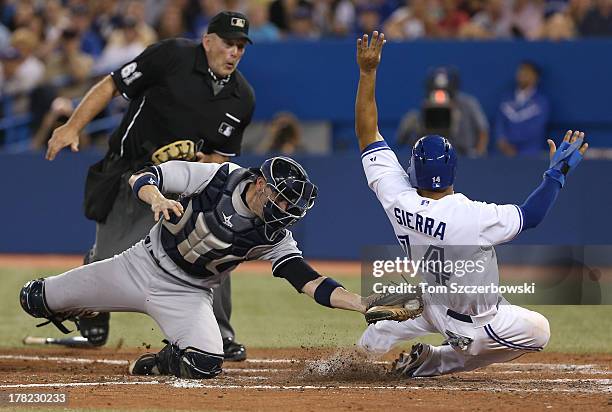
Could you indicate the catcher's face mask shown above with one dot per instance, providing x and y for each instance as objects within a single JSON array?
[{"x": 290, "y": 197}]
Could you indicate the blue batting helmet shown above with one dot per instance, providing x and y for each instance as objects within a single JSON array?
[{"x": 433, "y": 163}]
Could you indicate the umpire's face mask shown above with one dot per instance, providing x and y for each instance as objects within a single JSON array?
[{"x": 286, "y": 203}]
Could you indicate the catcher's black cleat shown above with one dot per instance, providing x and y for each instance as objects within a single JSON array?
[
  {"x": 407, "y": 363},
  {"x": 95, "y": 328},
  {"x": 145, "y": 365},
  {"x": 233, "y": 351}
]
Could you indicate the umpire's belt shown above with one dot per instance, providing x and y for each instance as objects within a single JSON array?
[{"x": 147, "y": 243}]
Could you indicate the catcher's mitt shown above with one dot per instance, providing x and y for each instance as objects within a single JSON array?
[
  {"x": 393, "y": 306},
  {"x": 179, "y": 150}
]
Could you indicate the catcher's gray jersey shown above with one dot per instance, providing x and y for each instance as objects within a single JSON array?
[{"x": 217, "y": 230}]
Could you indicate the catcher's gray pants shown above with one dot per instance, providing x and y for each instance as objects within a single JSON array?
[
  {"x": 128, "y": 222},
  {"x": 133, "y": 282}
]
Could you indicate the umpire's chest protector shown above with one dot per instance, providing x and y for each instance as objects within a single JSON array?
[{"x": 211, "y": 237}]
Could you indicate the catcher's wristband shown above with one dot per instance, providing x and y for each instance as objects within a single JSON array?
[
  {"x": 322, "y": 294},
  {"x": 144, "y": 180}
]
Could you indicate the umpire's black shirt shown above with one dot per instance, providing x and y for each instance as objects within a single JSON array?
[{"x": 171, "y": 98}]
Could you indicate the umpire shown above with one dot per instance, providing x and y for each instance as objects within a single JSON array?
[{"x": 178, "y": 90}]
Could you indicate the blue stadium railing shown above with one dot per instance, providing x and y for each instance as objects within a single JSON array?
[
  {"x": 17, "y": 132},
  {"x": 15, "y": 127}
]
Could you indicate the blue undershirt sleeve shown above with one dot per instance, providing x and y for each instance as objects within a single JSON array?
[{"x": 539, "y": 202}]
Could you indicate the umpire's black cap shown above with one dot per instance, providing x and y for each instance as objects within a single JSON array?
[{"x": 230, "y": 25}]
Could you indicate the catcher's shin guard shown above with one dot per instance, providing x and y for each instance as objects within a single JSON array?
[
  {"x": 94, "y": 328},
  {"x": 190, "y": 363},
  {"x": 32, "y": 299}
]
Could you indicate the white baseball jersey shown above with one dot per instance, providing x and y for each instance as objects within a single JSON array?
[{"x": 460, "y": 228}]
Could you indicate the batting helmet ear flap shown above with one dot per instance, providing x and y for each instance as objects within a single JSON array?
[{"x": 411, "y": 172}]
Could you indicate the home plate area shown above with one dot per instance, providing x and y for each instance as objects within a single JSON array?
[{"x": 308, "y": 379}]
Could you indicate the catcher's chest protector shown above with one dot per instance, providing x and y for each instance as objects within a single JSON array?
[{"x": 211, "y": 237}]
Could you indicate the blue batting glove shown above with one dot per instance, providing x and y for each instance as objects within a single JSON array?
[{"x": 565, "y": 160}]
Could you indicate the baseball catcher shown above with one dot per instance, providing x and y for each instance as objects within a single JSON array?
[{"x": 225, "y": 215}]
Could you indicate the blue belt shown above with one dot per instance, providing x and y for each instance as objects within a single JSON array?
[
  {"x": 459, "y": 316},
  {"x": 465, "y": 318}
]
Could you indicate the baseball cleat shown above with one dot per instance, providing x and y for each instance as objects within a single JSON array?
[
  {"x": 145, "y": 365},
  {"x": 95, "y": 328},
  {"x": 408, "y": 363},
  {"x": 233, "y": 351}
]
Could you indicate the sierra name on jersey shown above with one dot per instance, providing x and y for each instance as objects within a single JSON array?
[{"x": 420, "y": 223}]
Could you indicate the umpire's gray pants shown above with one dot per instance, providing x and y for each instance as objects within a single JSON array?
[
  {"x": 133, "y": 282},
  {"x": 129, "y": 221}
]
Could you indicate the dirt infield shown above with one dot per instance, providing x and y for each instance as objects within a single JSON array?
[{"x": 308, "y": 380}]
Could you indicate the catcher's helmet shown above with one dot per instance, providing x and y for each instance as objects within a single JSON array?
[
  {"x": 289, "y": 182},
  {"x": 433, "y": 163}
]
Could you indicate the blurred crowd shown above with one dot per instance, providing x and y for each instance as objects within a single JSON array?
[
  {"x": 51, "y": 51},
  {"x": 107, "y": 28}
]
